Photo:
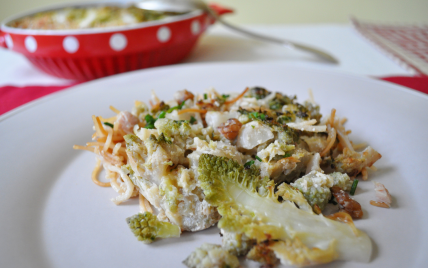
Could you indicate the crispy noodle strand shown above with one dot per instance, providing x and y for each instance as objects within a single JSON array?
[
  {"x": 330, "y": 140},
  {"x": 96, "y": 173},
  {"x": 238, "y": 97},
  {"x": 144, "y": 204},
  {"x": 101, "y": 132},
  {"x": 191, "y": 110},
  {"x": 80, "y": 147},
  {"x": 108, "y": 141},
  {"x": 333, "y": 114},
  {"x": 114, "y": 109},
  {"x": 365, "y": 174}
]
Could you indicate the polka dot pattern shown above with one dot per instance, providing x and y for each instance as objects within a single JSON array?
[
  {"x": 30, "y": 44},
  {"x": 195, "y": 27},
  {"x": 9, "y": 41},
  {"x": 70, "y": 44},
  {"x": 118, "y": 42},
  {"x": 164, "y": 34}
]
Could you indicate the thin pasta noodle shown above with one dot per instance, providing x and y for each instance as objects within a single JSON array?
[
  {"x": 365, "y": 174},
  {"x": 128, "y": 183},
  {"x": 330, "y": 140},
  {"x": 80, "y": 147},
  {"x": 144, "y": 204},
  {"x": 96, "y": 173},
  {"x": 114, "y": 109},
  {"x": 101, "y": 132},
  {"x": 238, "y": 97}
]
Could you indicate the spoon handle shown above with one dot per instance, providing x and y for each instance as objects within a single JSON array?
[{"x": 271, "y": 39}]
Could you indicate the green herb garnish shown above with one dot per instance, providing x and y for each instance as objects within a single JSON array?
[
  {"x": 178, "y": 107},
  {"x": 150, "y": 122},
  {"x": 108, "y": 124},
  {"x": 205, "y": 96},
  {"x": 192, "y": 120},
  {"x": 258, "y": 158},
  {"x": 162, "y": 115},
  {"x": 249, "y": 164},
  {"x": 225, "y": 96},
  {"x": 354, "y": 187}
]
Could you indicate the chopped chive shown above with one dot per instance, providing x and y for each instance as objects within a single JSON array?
[
  {"x": 205, "y": 96},
  {"x": 258, "y": 158},
  {"x": 192, "y": 120},
  {"x": 249, "y": 164},
  {"x": 354, "y": 187},
  {"x": 225, "y": 96},
  {"x": 108, "y": 124},
  {"x": 262, "y": 116},
  {"x": 162, "y": 115},
  {"x": 287, "y": 155},
  {"x": 150, "y": 122}
]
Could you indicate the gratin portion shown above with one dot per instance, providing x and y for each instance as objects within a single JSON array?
[{"x": 274, "y": 176}]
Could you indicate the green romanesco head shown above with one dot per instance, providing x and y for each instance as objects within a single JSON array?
[
  {"x": 341, "y": 180},
  {"x": 315, "y": 187},
  {"x": 215, "y": 172},
  {"x": 211, "y": 256},
  {"x": 172, "y": 128},
  {"x": 146, "y": 227}
]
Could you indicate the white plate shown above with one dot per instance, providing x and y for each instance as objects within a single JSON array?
[{"x": 52, "y": 215}]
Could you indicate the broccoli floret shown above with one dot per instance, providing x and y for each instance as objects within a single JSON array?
[
  {"x": 172, "y": 128},
  {"x": 237, "y": 244},
  {"x": 341, "y": 180},
  {"x": 235, "y": 190},
  {"x": 211, "y": 256},
  {"x": 315, "y": 186},
  {"x": 146, "y": 227}
]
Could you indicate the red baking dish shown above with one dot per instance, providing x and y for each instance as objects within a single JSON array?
[{"x": 86, "y": 54}]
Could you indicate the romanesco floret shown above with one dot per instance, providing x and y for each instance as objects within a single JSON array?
[
  {"x": 315, "y": 186},
  {"x": 173, "y": 128},
  {"x": 146, "y": 227},
  {"x": 234, "y": 190},
  {"x": 236, "y": 243},
  {"x": 211, "y": 256},
  {"x": 341, "y": 180}
]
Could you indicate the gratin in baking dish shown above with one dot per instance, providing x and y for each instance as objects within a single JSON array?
[{"x": 90, "y": 53}]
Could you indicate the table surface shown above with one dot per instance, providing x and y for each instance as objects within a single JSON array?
[{"x": 356, "y": 55}]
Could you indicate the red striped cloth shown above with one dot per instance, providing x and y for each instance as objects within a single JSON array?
[{"x": 12, "y": 97}]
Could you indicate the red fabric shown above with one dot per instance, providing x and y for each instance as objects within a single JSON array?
[
  {"x": 13, "y": 97},
  {"x": 420, "y": 83}
]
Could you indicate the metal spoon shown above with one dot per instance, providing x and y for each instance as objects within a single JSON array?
[
  {"x": 202, "y": 5},
  {"x": 187, "y": 5}
]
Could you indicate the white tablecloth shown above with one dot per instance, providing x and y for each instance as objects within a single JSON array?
[{"x": 356, "y": 55}]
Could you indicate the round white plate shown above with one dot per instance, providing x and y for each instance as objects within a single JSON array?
[{"x": 52, "y": 215}]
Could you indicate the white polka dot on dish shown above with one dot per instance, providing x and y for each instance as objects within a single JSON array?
[
  {"x": 70, "y": 44},
  {"x": 9, "y": 41},
  {"x": 118, "y": 42},
  {"x": 164, "y": 34},
  {"x": 30, "y": 44},
  {"x": 195, "y": 27}
]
